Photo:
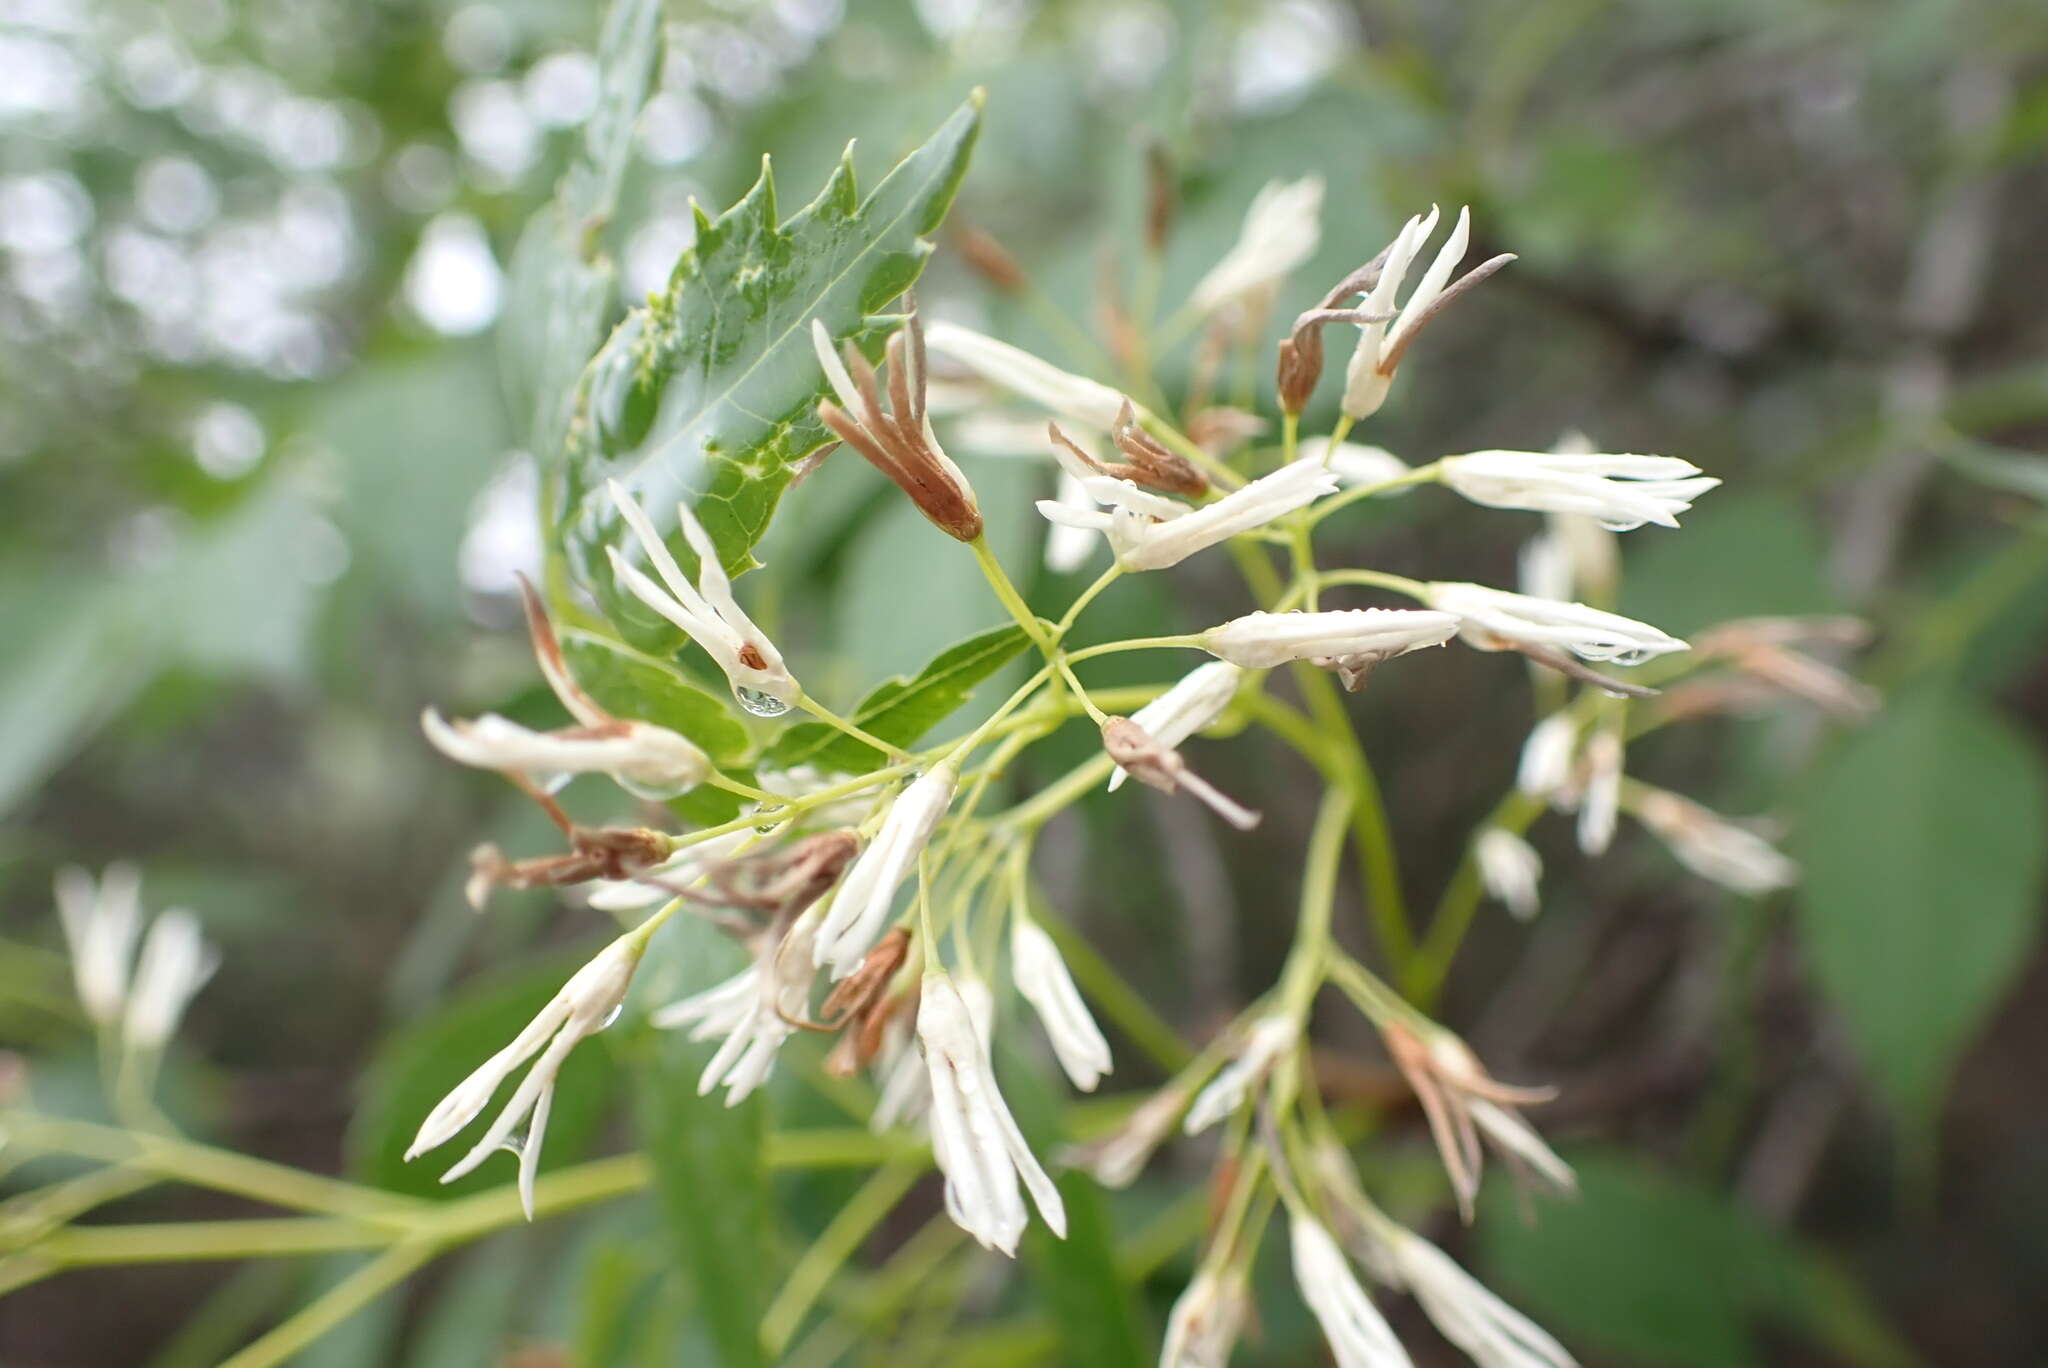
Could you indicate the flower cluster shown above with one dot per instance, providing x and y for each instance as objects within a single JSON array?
[{"x": 893, "y": 903}]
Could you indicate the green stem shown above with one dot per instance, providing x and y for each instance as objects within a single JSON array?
[
  {"x": 1084, "y": 598},
  {"x": 1420, "y": 475},
  {"x": 1012, "y": 601},
  {"x": 1423, "y": 977},
  {"x": 836, "y": 722},
  {"x": 336, "y": 1305},
  {"x": 837, "y": 1243},
  {"x": 1377, "y": 579},
  {"x": 205, "y": 1166}
]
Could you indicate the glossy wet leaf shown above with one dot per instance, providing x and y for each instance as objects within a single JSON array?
[
  {"x": 1924, "y": 855},
  {"x": 708, "y": 394},
  {"x": 900, "y": 710}
]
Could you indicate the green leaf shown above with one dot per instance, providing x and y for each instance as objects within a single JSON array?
[
  {"x": 707, "y": 1156},
  {"x": 899, "y": 710},
  {"x": 709, "y": 392},
  {"x": 1644, "y": 1265},
  {"x": 561, "y": 282},
  {"x": 1924, "y": 861},
  {"x": 422, "y": 1062},
  {"x": 651, "y": 690}
]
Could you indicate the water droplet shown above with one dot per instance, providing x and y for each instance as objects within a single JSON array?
[
  {"x": 611, "y": 1016},
  {"x": 758, "y": 703}
]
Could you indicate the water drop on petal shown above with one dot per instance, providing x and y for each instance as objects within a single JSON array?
[{"x": 758, "y": 703}]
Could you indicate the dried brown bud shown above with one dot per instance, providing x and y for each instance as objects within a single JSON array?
[
  {"x": 860, "y": 990},
  {"x": 1141, "y": 756},
  {"x": 897, "y": 440},
  {"x": 990, "y": 260},
  {"x": 1151, "y": 464}
]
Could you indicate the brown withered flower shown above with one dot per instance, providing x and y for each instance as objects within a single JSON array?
[
  {"x": 1463, "y": 1103},
  {"x": 1141, "y": 756},
  {"x": 898, "y": 440},
  {"x": 1150, "y": 465},
  {"x": 1764, "y": 648}
]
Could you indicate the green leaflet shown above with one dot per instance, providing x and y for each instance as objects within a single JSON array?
[
  {"x": 649, "y": 689},
  {"x": 708, "y": 393},
  {"x": 900, "y": 710}
]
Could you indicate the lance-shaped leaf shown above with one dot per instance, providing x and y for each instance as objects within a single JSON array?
[
  {"x": 899, "y": 710},
  {"x": 709, "y": 393}
]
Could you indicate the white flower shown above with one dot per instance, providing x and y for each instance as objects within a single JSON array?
[
  {"x": 176, "y": 962},
  {"x": 1196, "y": 699},
  {"x": 751, "y": 1012},
  {"x": 1621, "y": 491},
  {"x": 706, "y": 611},
  {"x": 1494, "y": 619},
  {"x": 646, "y": 759},
  {"x": 1516, "y": 1137},
  {"x": 860, "y": 909},
  {"x": 975, "y": 1141},
  {"x": 585, "y": 1005},
  {"x": 1150, "y": 532},
  {"x": 1600, "y": 796},
  {"x": 1710, "y": 845},
  {"x": 101, "y": 918},
  {"x": 1071, "y": 396},
  {"x": 1359, "y": 1335},
  {"x": 1068, "y": 546},
  {"x": 1206, "y": 1320},
  {"x": 1382, "y": 344},
  {"x": 1269, "y": 1038},
  {"x": 1468, "y": 1315},
  {"x": 1543, "y": 567},
  {"x": 1356, "y": 465},
  {"x": 1116, "y": 1159},
  {"x": 1281, "y": 230},
  {"x": 1259, "y": 641},
  {"x": 1510, "y": 868},
  {"x": 904, "y": 1093},
  {"x": 1546, "y": 767},
  {"x": 1043, "y": 979}
]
